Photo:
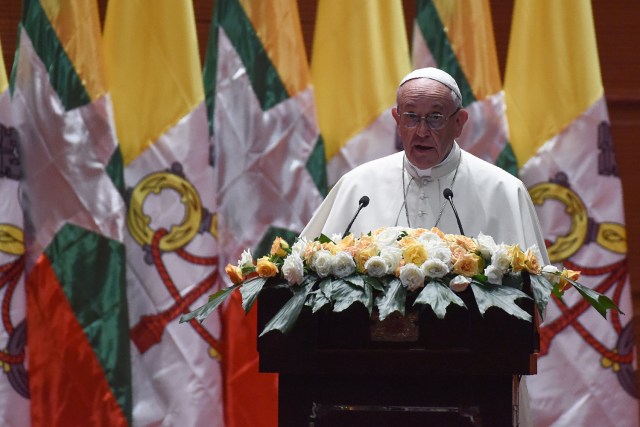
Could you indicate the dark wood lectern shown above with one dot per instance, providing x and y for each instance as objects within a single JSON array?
[{"x": 350, "y": 369}]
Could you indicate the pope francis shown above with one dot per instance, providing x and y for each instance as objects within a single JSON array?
[{"x": 406, "y": 189}]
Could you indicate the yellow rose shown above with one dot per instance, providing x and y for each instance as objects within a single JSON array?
[
  {"x": 531, "y": 263},
  {"x": 363, "y": 256},
  {"x": 570, "y": 274},
  {"x": 280, "y": 247},
  {"x": 234, "y": 273},
  {"x": 518, "y": 258},
  {"x": 468, "y": 265},
  {"x": 266, "y": 268},
  {"x": 407, "y": 241},
  {"x": 415, "y": 254},
  {"x": 331, "y": 247},
  {"x": 345, "y": 243}
]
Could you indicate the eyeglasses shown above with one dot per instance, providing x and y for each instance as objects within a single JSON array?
[{"x": 434, "y": 121}]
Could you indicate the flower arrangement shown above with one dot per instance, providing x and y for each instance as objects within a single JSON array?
[{"x": 380, "y": 269}]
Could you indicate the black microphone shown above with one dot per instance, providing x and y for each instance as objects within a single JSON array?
[
  {"x": 448, "y": 194},
  {"x": 364, "y": 202}
]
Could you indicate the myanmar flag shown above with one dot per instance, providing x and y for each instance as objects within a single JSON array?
[
  {"x": 155, "y": 77},
  {"x": 269, "y": 165},
  {"x": 360, "y": 54},
  {"x": 457, "y": 37},
  {"x": 14, "y": 387},
  {"x": 78, "y": 346},
  {"x": 561, "y": 135}
]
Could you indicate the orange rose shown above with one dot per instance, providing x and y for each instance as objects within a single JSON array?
[
  {"x": 457, "y": 252},
  {"x": 437, "y": 231},
  {"x": 518, "y": 258},
  {"x": 310, "y": 249},
  {"x": 280, "y": 247},
  {"x": 266, "y": 268},
  {"x": 234, "y": 273},
  {"x": 469, "y": 265},
  {"x": 570, "y": 274}
]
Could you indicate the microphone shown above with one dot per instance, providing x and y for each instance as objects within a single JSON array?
[
  {"x": 364, "y": 202},
  {"x": 448, "y": 194}
]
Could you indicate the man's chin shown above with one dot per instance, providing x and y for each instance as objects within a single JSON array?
[{"x": 424, "y": 158}]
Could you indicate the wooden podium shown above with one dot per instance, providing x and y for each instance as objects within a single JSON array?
[{"x": 350, "y": 369}]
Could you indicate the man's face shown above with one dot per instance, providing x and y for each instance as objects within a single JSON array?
[{"x": 425, "y": 147}]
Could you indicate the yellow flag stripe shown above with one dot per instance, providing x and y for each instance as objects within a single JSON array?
[
  {"x": 287, "y": 54},
  {"x": 553, "y": 72},
  {"x": 77, "y": 25},
  {"x": 360, "y": 53},
  {"x": 3, "y": 73},
  {"x": 470, "y": 32},
  {"x": 153, "y": 67}
]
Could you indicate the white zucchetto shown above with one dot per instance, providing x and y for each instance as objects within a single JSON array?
[{"x": 433, "y": 74}]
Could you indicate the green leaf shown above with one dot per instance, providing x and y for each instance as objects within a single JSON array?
[
  {"x": 250, "y": 291},
  {"x": 393, "y": 299},
  {"x": 344, "y": 294},
  {"x": 541, "y": 289},
  {"x": 324, "y": 239},
  {"x": 374, "y": 282},
  {"x": 503, "y": 297},
  {"x": 600, "y": 302},
  {"x": 355, "y": 279},
  {"x": 288, "y": 314},
  {"x": 319, "y": 301},
  {"x": 215, "y": 300},
  {"x": 438, "y": 295}
]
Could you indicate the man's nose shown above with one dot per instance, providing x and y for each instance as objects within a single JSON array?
[{"x": 422, "y": 128}]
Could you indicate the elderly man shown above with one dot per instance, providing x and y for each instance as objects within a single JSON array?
[{"x": 406, "y": 188}]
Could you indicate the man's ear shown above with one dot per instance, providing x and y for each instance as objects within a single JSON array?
[
  {"x": 396, "y": 115},
  {"x": 461, "y": 119}
]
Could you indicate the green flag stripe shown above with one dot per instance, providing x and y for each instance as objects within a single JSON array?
[
  {"x": 434, "y": 33},
  {"x": 62, "y": 74},
  {"x": 91, "y": 270},
  {"x": 115, "y": 170},
  {"x": 507, "y": 160},
  {"x": 317, "y": 166},
  {"x": 264, "y": 77}
]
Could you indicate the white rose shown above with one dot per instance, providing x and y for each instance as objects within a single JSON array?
[
  {"x": 494, "y": 274},
  {"x": 412, "y": 277},
  {"x": 321, "y": 262},
  {"x": 392, "y": 257},
  {"x": 486, "y": 245},
  {"x": 500, "y": 258},
  {"x": 246, "y": 260},
  {"x": 387, "y": 237},
  {"x": 342, "y": 264},
  {"x": 376, "y": 266},
  {"x": 434, "y": 268},
  {"x": 429, "y": 237},
  {"x": 440, "y": 251},
  {"x": 293, "y": 269},
  {"x": 459, "y": 283},
  {"x": 550, "y": 272},
  {"x": 298, "y": 247}
]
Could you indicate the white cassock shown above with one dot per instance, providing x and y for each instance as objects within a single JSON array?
[{"x": 488, "y": 199}]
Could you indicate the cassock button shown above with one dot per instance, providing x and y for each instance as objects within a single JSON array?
[
  {"x": 426, "y": 180},
  {"x": 421, "y": 213},
  {"x": 423, "y": 196}
]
